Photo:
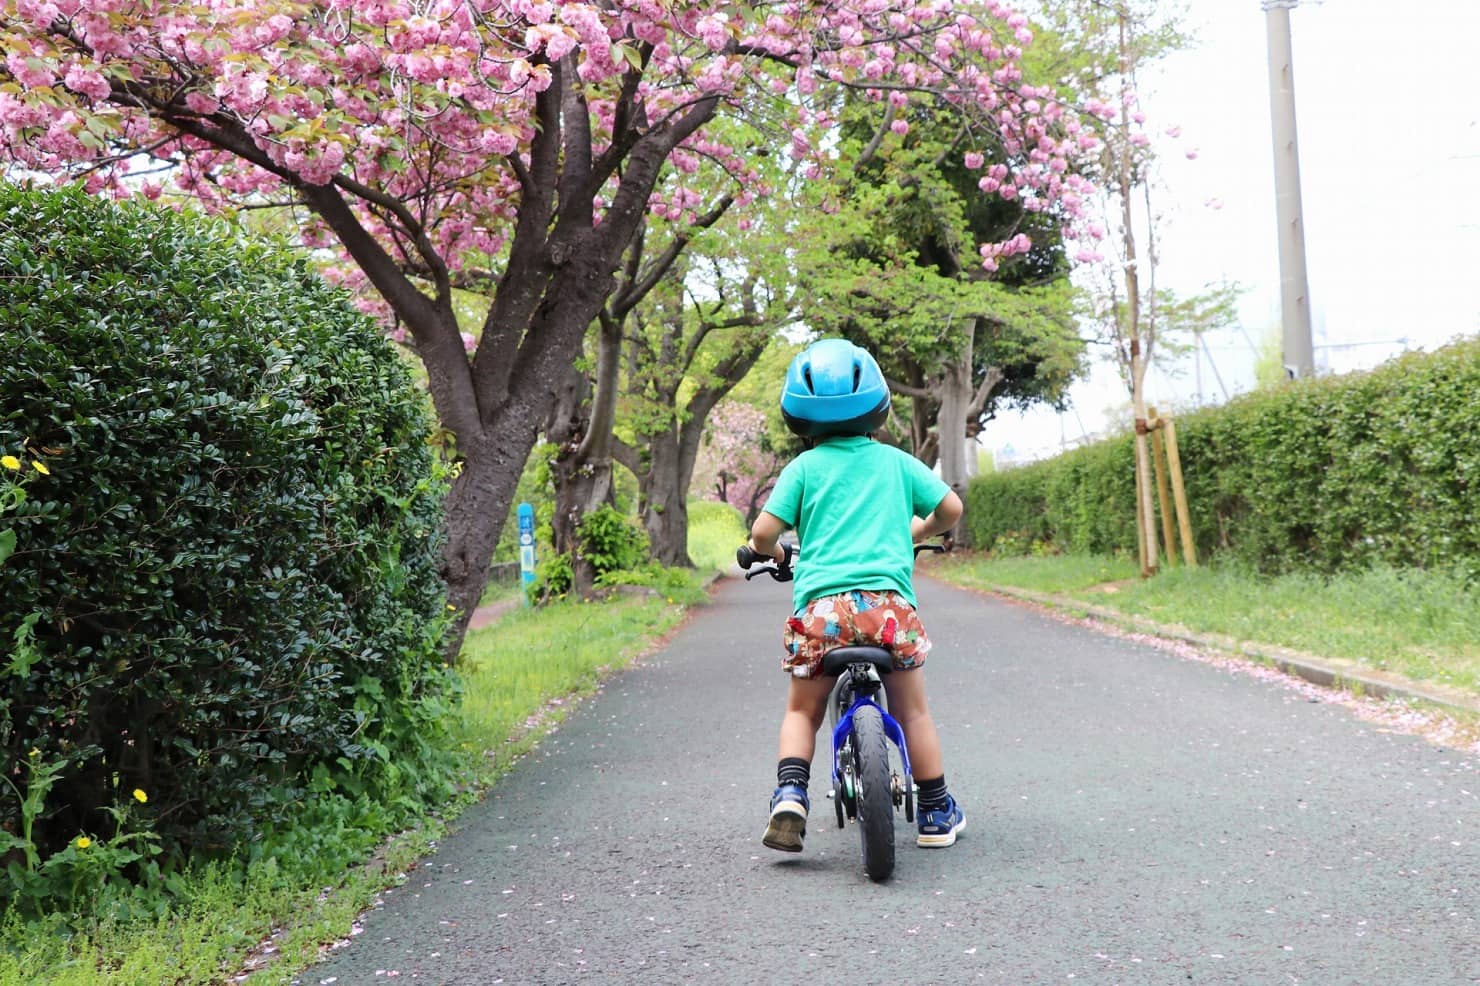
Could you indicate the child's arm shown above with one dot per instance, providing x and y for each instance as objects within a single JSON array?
[
  {"x": 764, "y": 535},
  {"x": 944, "y": 517}
]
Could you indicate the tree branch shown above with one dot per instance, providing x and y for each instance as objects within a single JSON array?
[
  {"x": 598, "y": 438},
  {"x": 905, "y": 390},
  {"x": 664, "y": 262},
  {"x": 983, "y": 393},
  {"x": 627, "y": 456},
  {"x": 433, "y": 326},
  {"x": 641, "y": 174},
  {"x": 528, "y": 270},
  {"x": 627, "y": 119},
  {"x": 575, "y": 191},
  {"x": 435, "y": 265},
  {"x": 872, "y": 147}
]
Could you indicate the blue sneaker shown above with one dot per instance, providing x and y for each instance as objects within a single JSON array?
[
  {"x": 788, "y": 819},
  {"x": 939, "y": 828}
]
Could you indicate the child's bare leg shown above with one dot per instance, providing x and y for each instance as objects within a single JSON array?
[
  {"x": 906, "y": 691},
  {"x": 806, "y": 705},
  {"x": 940, "y": 818}
]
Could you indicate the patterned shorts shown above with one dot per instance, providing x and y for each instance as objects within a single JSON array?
[{"x": 878, "y": 619}]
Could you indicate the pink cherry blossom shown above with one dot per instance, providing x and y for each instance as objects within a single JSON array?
[{"x": 430, "y": 109}]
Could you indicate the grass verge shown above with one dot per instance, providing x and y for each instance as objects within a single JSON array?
[
  {"x": 715, "y": 531},
  {"x": 544, "y": 655},
  {"x": 1421, "y": 625},
  {"x": 269, "y": 920}
]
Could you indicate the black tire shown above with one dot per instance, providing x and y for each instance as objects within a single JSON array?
[
  {"x": 842, "y": 697},
  {"x": 875, "y": 796}
]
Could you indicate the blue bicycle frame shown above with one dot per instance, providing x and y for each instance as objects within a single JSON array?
[
  {"x": 844, "y": 728},
  {"x": 858, "y": 669}
]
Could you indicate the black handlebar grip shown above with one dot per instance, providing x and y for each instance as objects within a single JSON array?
[{"x": 745, "y": 556}]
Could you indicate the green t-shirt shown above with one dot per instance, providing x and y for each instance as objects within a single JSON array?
[{"x": 851, "y": 501}]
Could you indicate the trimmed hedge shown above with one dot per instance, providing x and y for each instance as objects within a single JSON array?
[
  {"x": 1324, "y": 475},
  {"x": 224, "y": 591}
]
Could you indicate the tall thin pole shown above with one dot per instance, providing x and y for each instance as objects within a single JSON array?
[{"x": 1294, "y": 289}]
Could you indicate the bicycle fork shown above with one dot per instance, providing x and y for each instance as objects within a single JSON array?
[{"x": 842, "y": 773}]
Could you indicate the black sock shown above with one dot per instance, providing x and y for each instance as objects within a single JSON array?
[
  {"x": 794, "y": 770},
  {"x": 931, "y": 795}
]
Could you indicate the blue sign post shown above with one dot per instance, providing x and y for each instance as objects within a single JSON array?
[{"x": 526, "y": 548}]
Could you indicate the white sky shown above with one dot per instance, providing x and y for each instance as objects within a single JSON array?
[{"x": 1388, "y": 117}]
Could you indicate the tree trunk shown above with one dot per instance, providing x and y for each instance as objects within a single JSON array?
[
  {"x": 494, "y": 454},
  {"x": 663, "y": 489},
  {"x": 580, "y": 488},
  {"x": 955, "y": 392},
  {"x": 477, "y": 506},
  {"x": 962, "y": 403},
  {"x": 666, "y": 517},
  {"x": 581, "y": 428}
]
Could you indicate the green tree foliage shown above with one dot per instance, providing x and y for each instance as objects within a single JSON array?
[
  {"x": 223, "y": 594},
  {"x": 894, "y": 267}
]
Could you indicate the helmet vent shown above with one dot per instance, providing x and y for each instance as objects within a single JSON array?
[
  {"x": 807, "y": 376},
  {"x": 857, "y": 374}
]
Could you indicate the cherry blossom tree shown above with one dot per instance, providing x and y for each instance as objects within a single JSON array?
[
  {"x": 507, "y": 147},
  {"x": 741, "y": 456}
]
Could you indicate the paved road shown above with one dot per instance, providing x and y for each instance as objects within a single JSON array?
[{"x": 1133, "y": 818}]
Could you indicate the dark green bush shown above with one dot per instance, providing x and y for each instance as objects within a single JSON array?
[
  {"x": 1081, "y": 501},
  {"x": 1329, "y": 474},
  {"x": 611, "y": 542},
  {"x": 231, "y": 565}
]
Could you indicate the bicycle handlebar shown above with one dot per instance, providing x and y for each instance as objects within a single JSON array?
[{"x": 745, "y": 557}]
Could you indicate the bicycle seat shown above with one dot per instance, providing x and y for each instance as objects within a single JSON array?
[{"x": 836, "y": 661}]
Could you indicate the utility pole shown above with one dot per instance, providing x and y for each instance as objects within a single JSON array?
[{"x": 1299, "y": 354}]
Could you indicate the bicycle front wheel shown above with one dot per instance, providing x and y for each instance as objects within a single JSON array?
[{"x": 875, "y": 796}]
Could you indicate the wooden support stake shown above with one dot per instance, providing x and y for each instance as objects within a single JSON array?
[
  {"x": 1163, "y": 497},
  {"x": 1140, "y": 524},
  {"x": 1145, "y": 511},
  {"x": 1179, "y": 493}
]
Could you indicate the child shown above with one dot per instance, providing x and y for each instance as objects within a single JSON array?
[{"x": 858, "y": 506}]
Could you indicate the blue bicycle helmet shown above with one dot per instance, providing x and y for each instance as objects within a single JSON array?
[{"x": 834, "y": 388}]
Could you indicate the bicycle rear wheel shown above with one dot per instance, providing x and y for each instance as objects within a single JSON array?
[{"x": 875, "y": 794}]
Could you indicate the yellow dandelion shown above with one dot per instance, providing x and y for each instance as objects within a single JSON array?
[
  {"x": 83, "y": 842},
  {"x": 10, "y": 462},
  {"x": 35, "y": 753},
  {"x": 140, "y": 796},
  {"x": 41, "y": 468}
]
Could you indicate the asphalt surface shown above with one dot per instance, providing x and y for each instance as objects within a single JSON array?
[{"x": 1132, "y": 818}]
